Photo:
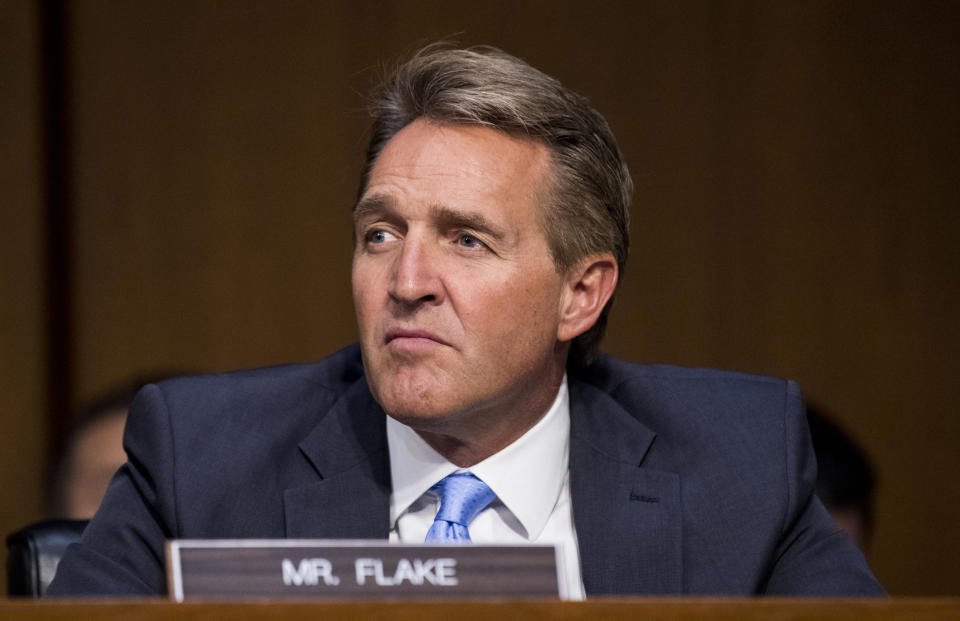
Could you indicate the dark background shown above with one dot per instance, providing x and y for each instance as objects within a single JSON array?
[{"x": 176, "y": 180}]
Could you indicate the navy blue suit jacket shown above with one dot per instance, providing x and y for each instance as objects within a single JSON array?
[{"x": 683, "y": 481}]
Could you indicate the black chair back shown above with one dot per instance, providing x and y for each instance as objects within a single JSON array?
[{"x": 34, "y": 552}]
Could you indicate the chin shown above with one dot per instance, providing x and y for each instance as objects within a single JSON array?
[
  {"x": 413, "y": 392},
  {"x": 421, "y": 406},
  {"x": 408, "y": 407}
]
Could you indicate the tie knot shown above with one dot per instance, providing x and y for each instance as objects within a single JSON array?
[{"x": 462, "y": 497}]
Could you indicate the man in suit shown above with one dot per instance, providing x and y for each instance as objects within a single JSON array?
[{"x": 489, "y": 236}]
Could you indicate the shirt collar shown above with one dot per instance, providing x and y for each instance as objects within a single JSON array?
[{"x": 526, "y": 476}]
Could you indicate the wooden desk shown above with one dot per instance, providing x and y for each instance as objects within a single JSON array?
[{"x": 906, "y": 609}]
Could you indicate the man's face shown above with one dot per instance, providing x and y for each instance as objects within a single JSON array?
[{"x": 457, "y": 297}]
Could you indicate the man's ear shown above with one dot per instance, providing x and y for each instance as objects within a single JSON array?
[{"x": 588, "y": 287}]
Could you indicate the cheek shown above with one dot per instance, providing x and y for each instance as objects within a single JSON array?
[
  {"x": 357, "y": 298},
  {"x": 518, "y": 308},
  {"x": 363, "y": 284}
]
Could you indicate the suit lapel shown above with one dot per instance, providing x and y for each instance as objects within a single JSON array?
[
  {"x": 350, "y": 497},
  {"x": 628, "y": 518}
]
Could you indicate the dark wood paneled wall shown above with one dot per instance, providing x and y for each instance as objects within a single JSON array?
[
  {"x": 23, "y": 403},
  {"x": 796, "y": 207}
]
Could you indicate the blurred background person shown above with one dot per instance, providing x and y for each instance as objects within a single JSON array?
[
  {"x": 93, "y": 451},
  {"x": 845, "y": 479}
]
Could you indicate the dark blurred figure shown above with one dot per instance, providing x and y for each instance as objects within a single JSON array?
[
  {"x": 93, "y": 452},
  {"x": 845, "y": 479}
]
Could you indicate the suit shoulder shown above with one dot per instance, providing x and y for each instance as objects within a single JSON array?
[
  {"x": 697, "y": 403},
  {"x": 242, "y": 425},
  {"x": 610, "y": 374},
  {"x": 291, "y": 395},
  {"x": 331, "y": 374}
]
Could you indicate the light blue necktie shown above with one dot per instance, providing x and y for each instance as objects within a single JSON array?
[{"x": 462, "y": 497}]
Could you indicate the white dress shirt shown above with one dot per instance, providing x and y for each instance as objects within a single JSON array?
[{"x": 530, "y": 477}]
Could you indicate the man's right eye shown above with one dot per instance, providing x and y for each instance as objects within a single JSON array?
[{"x": 378, "y": 236}]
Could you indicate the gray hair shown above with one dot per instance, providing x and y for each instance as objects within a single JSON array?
[{"x": 590, "y": 190}]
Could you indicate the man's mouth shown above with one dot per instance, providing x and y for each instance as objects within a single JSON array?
[{"x": 412, "y": 339}]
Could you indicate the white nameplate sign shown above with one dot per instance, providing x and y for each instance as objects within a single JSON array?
[{"x": 221, "y": 569}]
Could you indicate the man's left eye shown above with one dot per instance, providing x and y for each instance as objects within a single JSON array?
[{"x": 470, "y": 241}]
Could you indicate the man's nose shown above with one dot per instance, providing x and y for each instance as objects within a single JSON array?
[{"x": 416, "y": 278}]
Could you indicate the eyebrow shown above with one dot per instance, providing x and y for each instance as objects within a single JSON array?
[
  {"x": 446, "y": 218},
  {"x": 373, "y": 207}
]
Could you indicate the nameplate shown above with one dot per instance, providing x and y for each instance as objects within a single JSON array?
[{"x": 245, "y": 569}]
